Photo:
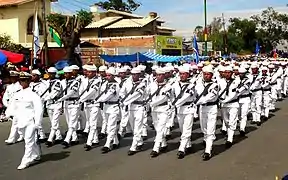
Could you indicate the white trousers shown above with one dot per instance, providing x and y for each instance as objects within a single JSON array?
[
  {"x": 185, "y": 123},
  {"x": 145, "y": 123},
  {"x": 136, "y": 121},
  {"x": 32, "y": 150},
  {"x": 124, "y": 120},
  {"x": 159, "y": 121},
  {"x": 91, "y": 114},
  {"x": 104, "y": 122},
  {"x": 256, "y": 102},
  {"x": 14, "y": 132},
  {"x": 243, "y": 112},
  {"x": 54, "y": 116},
  {"x": 112, "y": 119},
  {"x": 208, "y": 117},
  {"x": 273, "y": 97},
  {"x": 266, "y": 103},
  {"x": 170, "y": 121},
  {"x": 72, "y": 115},
  {"x": 230, "y": 120}
]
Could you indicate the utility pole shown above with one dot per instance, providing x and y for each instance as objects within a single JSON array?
[
  {"x": 205, "y": 27},
  {"x": 225, "y": 35},
  {"x": 45, "y": 47}
]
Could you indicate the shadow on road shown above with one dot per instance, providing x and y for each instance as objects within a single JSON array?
[{"x": 55, "y": 156}]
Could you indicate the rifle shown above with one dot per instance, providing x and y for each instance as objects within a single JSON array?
[
  {"x": 87, "y": 88},
  {"x": 48, "y": 89},
  {"x": 180, "y": 94},
  {"x": 106, "y": 89},
  {"x": 226, "y": 88},
  {"x": 152, "y": 95},
  {"x": 205, "y": 92},
  {"x": 130, "y": 92},
  {"x": 64, "y": 91}
]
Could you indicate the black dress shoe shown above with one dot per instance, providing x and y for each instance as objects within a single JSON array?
[
  {"x": 65, "y": 144},
  {"x": 163, "y": 149},
  {"x": 105, "y": 150},
  {"x": 131, "y": 153},
  {"x": 115, "y": 146},
  {"x": 102, "y": 136},
  {"x": 228, "y": 144},
  {"x": 180, "y": 155},
  {"x": 49, "y": 144},
  {"x": 224, "y": 132},
  {"x": 79, "y": 131},
  {"x": 87, "y": 147},
  {"x": 266, "y": 118},
  {"x": 253, "y": 122},
  {"x": 262, "y": 118},
  {"x": 144, "y": 138},
  {"x": 139, "y": 148},
  {"x": 258, "y": 123},
  {"x": 206, "y": 156},
  {"x": 242, "y": 133},
  {"x": 154, "y": 154},
  {"x": 58, "y": 141},
  {"x": 73, "y": 143}
]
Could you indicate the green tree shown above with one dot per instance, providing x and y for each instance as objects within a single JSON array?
[
  {"x": 120, "y": 5},
  {"x": 6, "y": 43},
  {"x": 69, "y": 29}
]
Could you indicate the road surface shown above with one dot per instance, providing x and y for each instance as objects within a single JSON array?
[{"x": 262, "y": 155}]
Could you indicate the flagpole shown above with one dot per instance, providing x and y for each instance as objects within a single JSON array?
[
  {"x": 205, "y": 25},
  {"x": 32, "y": 50}
]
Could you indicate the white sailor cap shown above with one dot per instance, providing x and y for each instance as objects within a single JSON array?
[
  {"x": 221, "y": 68},
  {"x": 141, "y": 67},
  {"x": 242, "y": 70},
  {"x": 235, "y": 67},
  {"x": 52, "y": 70},
  {"x": 136, "y": 70},
  {"x": 154, "y": 67},
  {"x": 74, "y": 67},
  {"x": 208, "y": 69},
  {"x": 13, "y": 73},
  {"x": 184, "y": 69},
  {"x": 67, "y": 69},
  {"x": 160, "y": 71},
  {"x": 200, "y": 65},
  {"x": 194, "y": 66},
  {"x": 85, "y": 66},
  {"x": 122, "y": 70},
  {"x": 166, "y": 69},
  {"x": 228, "y": 68},
  {"x": 103, "y": 68},
  {"x": 264, "y": 68},
  {"x": 91, "y": 68},
  {"x": 254, "y": 65},
  {"x": 271, "y": 66},
  {"x": 127, "y": 67},
  {"x": 111, "y": 70},
  {"x": 176, "y": 66},
  {"x": 24, "y": 75},
  {"x": 36, "y": 71}
]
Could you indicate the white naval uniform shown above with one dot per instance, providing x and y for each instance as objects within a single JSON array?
[
  {"x": 39, "y": 88},
  {"x": 266, "y": 95},
  {"x": 71, "y": 107},
  {"x": 83, "y": 124},
  {"x": 54, "y": 109},
  {"x": 244, "y": 101},
  {"x": 11, "y": 89},
  {"x": 111, "y": 111},
  {"x": 171, "y": 110},
  {"x": 160, "y": 105},
  {"x": 273, "y": 84},
  {"x": 102, "y": 113},
  {"x": 208, "y": 111},
  {"x": 185, "y": 112},
  {"x": 285, "y": 81},
  {"x": 279, "y": 82},
  {"x": 91, "y": 108},
  {"x": 230, "y": 105},
  {"x": 256, "y": 98},
  {"x": 135, "y": 102},
  {"x": 26, "y": 107}
]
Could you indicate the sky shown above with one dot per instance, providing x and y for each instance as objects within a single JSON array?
[{"x": 185, "y": 15}]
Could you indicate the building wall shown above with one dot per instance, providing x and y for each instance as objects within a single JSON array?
[{"x": 17, "y": 29}]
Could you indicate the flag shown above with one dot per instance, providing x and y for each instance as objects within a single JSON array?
[
  {"x": 55, "y": 36},
  {"x": 257, "y": 48},
  {"x": 195, "y": 48},
  {"x": 36, "y": 43}
]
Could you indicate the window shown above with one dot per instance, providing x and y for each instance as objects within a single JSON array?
[{"x": 30, "y": 26}]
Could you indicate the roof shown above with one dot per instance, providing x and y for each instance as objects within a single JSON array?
[
  {"x": 125, "y": 13},
  {"x": 165, "y": 28},
  {"x": 13, "y": 2},
  {"x": 104, "y": 22},
  {"x": 4, "y": 3},
  {"x": 131, "y": 23}
]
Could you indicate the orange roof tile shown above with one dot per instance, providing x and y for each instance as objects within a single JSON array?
[{"x": 13, "y": 2}]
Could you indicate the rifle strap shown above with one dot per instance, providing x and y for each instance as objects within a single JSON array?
[{"x": 204, "y": 92}]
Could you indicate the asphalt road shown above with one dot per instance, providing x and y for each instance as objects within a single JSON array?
[{"x": 262, "y": 155}]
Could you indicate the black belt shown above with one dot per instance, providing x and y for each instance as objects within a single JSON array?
[
  {"x": 138, "y": 102},
  {"x": 273, "y": 83},
  {"x": 163, "y": 104},
  {"x": 187, "y": 104},
  {"x": 111, "y": 102},
  {"x": 90, "y": 101},
  {"x": 72, "y": 99},
  {"x": 245, "y": 96},
  {"x": 255, "y": 90},
  {"x": 267, "y": 89},
  {"x": 210, "y": 103}
]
